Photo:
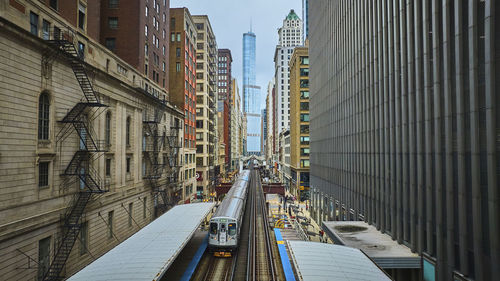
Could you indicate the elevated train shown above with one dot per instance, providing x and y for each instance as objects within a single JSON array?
[{"x": 225, "y": 224}]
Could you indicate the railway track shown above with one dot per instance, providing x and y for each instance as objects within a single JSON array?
[
  {"x": 254, "y": 259},
  {"x": 219, "y": 269},
  {"x": 260, "y": 262}
]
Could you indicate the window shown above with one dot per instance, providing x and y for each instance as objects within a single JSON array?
[
  {"x": 128, "y": 164},
  {"x": 200, "y": 26},
  {"x": 43, "y": 116},
  {"x": 163, "y": 33},
  {"x": 146, "y": 11},
  {"x": 113, "y": 23},
  {"x": 199, "y": 149},
  {"x": 43, "y": 174},
  {"x": 304, "y": 106},
  {"x": 304, "y": 129},
  {"x": 108, "y": 167},
  {"x": 57, "y": 32},
  {"x": 304, "y": 163},
  {"x": 127, "y": 131},
  {"x": 178, "y": 52},
  {"x": 34, "y": 23},
  {"x": 231, "y": 229},
  {"x": 304, "y": 94},
  {"x": 178, "y": 37},
  {"x": 178, "y": 67},
  {"x": 43, "y": 256},
  {"x": 113, "y": 4},
  {"x": 304, "y": 152},
  {"x": 81, "y": 50},
  {"x": 304, "y": 72},
  {"x": 304, "y": 83},
  {"x": 110, "y": 223},
  {"x": 304, "y": 140},
  {"x": 213, "y": 228},
  {"x": 199, "y": 124},
  {"x": 81, "y": 15},
  {"x": 163, "y": 66},
  {"x": 172, "y": 23},
  {"x": 304, "y": 117},
  {"x": 107, "y": 129},
  {"x": 146, "y": 30},
  {"x": 304, "y": 60},
  {"x": 199, "y": 46},
  {"x": 144, "y": 207},
  {"x": 111, "y": 43},
  {"x": 53, "y": 4},
  {"x": 84, "y": 237},
  {"x": 172, "y": 37},
  {"x": 130, "y": 209},
  {"x": 163, "y": 50},
  {"x": 45, "y": 30}
]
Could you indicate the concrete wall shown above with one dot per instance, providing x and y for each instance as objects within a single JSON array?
[{"x": 405, "y": 124}]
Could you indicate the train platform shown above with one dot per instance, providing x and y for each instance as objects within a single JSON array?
[
  {"x": 185, "y": 264},
  {"x": 149, "y": 253},
  {"x": 313, "y": 261}
]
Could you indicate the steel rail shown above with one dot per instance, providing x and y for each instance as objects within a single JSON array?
[{"x": 266, "y": 233}]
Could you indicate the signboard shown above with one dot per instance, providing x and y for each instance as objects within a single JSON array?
[{"x": 199, "y": 176}]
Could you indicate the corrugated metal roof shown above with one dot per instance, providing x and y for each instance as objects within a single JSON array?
[
  {"x": 147, "y": 254},
  {"x": 320, "y": 261}
]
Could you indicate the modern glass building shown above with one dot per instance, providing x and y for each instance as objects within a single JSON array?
[
  {"x": 405, "y": 126},
  {"x": 251, "y": 95}
]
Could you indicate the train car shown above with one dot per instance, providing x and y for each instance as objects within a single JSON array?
[{"x": 225, "y": 224}]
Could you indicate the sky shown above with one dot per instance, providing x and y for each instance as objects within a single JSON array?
[{"x": 231, "y": 18}]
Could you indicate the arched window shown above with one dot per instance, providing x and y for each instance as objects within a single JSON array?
[
  {"x": 127, "y": 131},
  {"x": 108, "y": 128},
  {"x": 43, "y": 116}
]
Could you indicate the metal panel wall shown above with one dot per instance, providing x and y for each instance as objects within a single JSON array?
[{"x": 405, "y": 129}]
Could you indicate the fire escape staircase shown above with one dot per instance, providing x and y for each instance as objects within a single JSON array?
[
  {"x": 80, "y": 165},
  {"x": 151, "y": 150}
]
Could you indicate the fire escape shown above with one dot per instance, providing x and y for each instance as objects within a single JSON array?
[
  {"x": 80, "y": 167},
  {"x": 156, "y": 145},
  {"x": 173, "y": 166},
  {"x": 152, "y": 145}
]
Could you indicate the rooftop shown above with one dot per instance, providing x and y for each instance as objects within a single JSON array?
[
  {"x": 380, "y": 247},
  {"x": 315, "y": 261},
  {"x": 292, "y": 15}
]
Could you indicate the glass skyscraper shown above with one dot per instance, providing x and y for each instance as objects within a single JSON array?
[{"x": 251, "y": 95}]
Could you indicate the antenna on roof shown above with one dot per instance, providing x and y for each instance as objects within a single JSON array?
[{"x": 250, "y": 24}]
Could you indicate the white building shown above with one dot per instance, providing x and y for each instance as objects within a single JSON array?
[
  {"x": 290, "y": 36},
  {"x": 270, "y": 122}
]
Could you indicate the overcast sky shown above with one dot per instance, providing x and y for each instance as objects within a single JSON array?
[{"x": 231, "y": 18}]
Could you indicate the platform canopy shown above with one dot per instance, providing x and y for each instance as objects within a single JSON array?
[
  {"x": 315, "y": 261},
  {"x": 148, "y": 254}
]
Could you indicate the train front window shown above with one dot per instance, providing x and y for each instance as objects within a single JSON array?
[
  {"x": 232, "y": 229},
  {"x": 213, "y": 228},
  {"x": 223, "y": 227}
]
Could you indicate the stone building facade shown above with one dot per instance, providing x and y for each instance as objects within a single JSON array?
[{"x": 49, "y": 72}]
